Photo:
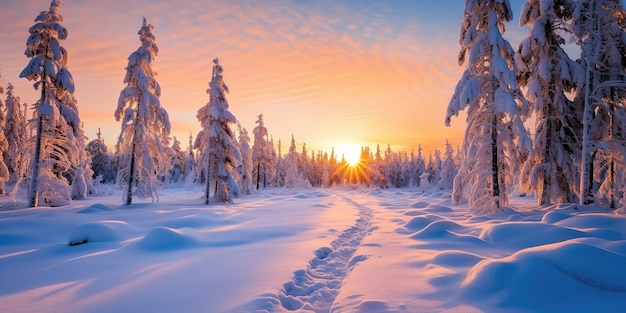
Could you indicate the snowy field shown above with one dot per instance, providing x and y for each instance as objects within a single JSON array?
[{"x": 318, "y": 250}]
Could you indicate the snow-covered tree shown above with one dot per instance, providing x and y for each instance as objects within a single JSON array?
[
  {"x": 145, "y": 123},
  {"x": 58, "y": 149},
  {"x": 448, "y": 168},
  {"x": 495, "y": 107},
  {"x": 177, "y": 161},
  {"x": 15, "y": 133},
  {"x": 102, "y": 162},
  {"x": 280, "y": 168},
  {"x": 219, "y": 153},
  {"x": 261, "y": 155},
  {"x": 4, "y": 146},
  {"x": 245, "y": 168},
  {"x": 549, "y": 74},
  {"x": 599, "y": 28}
]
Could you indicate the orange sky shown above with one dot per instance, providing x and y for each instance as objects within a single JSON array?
[{"x": 354, "y": 72}]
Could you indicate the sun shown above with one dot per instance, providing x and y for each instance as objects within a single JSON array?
[{"x": 351, "y": 153}]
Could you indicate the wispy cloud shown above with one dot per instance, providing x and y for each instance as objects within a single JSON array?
[{"x": 366, "y": 72}]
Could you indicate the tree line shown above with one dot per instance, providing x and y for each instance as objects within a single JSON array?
[{"x": 575, "y": 152}]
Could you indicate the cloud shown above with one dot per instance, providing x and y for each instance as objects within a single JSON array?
[{"x": 368, "y": 72}]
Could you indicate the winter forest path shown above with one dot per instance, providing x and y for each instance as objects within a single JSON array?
[{"x": 315, "y": 287}]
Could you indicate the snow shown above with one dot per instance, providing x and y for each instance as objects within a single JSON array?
[{"x": 344, "y": 249}]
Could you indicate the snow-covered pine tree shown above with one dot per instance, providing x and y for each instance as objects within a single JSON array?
[
  {"x": 293, "y": 176},
  {"x": 448, "y": 168},
  {"x": 4, "y": 146},
  {"x": 15, "y": 133},
  {"x": 279, "y": 178},
  {"x": 177, "y": 161},
  {"x": 548, "y": 73},
  {"x": 419, "y": 166},
  {"x": 599, "y": 28},
  {"x": 219, "y": 153},
  {"x": 102, "y": 162},
  {"x": 495, "y": 108},
  {"x": 189, "y": 169},
  {"x": 58, "y": 156},
  {"x": 245, "y": 168},
  {"x": 145, "y": 130},
  {"x": 260, "y": 155}
]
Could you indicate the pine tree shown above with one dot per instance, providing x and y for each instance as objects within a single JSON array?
[
  {"x": 58, "y": 157},
  {"x": 219, "y": 153},
  {"x": 177, "y": 161},
  {"x": 15, "y": 133},
  {"x": 548, "y": 73},
  {"x": 495, "y": 106},
  {"x": 261, "y": 157},
  {"x": 599, "y": 28},
  {"x": 145, "y": 123},
  {"x": 448, "y": 168},
  {"x": 101, "y": 160},
  {"x": 245, "y": 169},
  {"x": 4, "y": 146}
]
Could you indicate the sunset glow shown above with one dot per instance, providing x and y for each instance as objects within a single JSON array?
[
  {"x": 350, "y": 152},
  {"x": 377, "y": 72}
]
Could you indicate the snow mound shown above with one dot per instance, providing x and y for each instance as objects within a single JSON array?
[
  {"x": 418, "y": 223},
  {"x": 435, "y": 208},
  {"x": 455, "y": 258},
  {"x": 101, "y": 231},
  {"x": 95, "y": 208},
  {"x": 165, "y": 238},
  {"x": 419, "y": 205},
  {"x": 554, "y": 216},
  {"x": 564, "y": 270},
  {"x": 437, "y": 229},
  {"x": 528, "y": 234}
]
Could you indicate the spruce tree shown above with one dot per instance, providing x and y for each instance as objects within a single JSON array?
[
  {"x": 15, "y": 133},
  {"x": 145, "y": 123},
  {"x": 549, "y": 74},
  {"x": 58, "y": 148},
  {"x": 495, "y": 108},
  {"x": 219, "y": 152}
]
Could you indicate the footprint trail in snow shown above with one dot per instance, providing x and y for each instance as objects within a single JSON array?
[{"x": 315, "y": 288}]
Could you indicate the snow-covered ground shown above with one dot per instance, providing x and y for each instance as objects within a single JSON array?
[{"x": 320, "y": 250}]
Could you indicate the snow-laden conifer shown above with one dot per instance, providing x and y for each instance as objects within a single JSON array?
[
  {"x": 495, "y": 107},
  {"x": 599, "y": 29},
  {"x": 4, "y": 147},
  {"x": 102, "y": 161},
  {"x": 15, "y": 133},
  {"x": 58, "y": 156},
  {"x": 448, "y": 168},
  {"x": 262, "y": 167},
  {"x": 145, "y": 130},
  {"x": 216, "y": 143},
  {"x": 548, "y": 74},
  {"x": 245, "y": 168},
  {"x": 177, "y": 161}
]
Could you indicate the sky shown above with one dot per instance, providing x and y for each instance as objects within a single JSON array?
[{"x": 336, "y": 74}]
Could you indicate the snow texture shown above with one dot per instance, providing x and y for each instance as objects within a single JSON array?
[{"x": 310, "y": 250}]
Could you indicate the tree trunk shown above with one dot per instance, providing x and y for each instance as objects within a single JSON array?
[
  {"x": 207, "y": 182},
  {"x": 258, "y": 175},
  {"x": 546, "y": 184},
  {"x": 585, "y": 167},
  {"x": 131, "y": 175},
  {"x": 34, "y": 182},
  {"x": 495, "y": 186}
]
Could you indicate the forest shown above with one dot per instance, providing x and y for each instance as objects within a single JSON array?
[{"x": 539, "y": 123}]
